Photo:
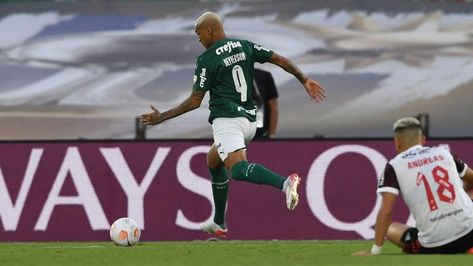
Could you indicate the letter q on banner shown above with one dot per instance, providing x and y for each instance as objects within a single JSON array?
[{"x": 316, "y": 196}]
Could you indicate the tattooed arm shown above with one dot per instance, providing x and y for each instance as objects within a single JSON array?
[
  {"x": 156, "y": 117},
  {"x": 313, "y": 88}
]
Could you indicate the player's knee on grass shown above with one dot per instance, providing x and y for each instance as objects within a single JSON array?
[{"x": 401, "y": 234}]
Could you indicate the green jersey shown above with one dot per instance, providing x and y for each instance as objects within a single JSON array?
[{"x": 225, "y": 69}]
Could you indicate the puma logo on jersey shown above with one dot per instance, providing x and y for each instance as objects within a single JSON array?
[
  {"x": 259, "y": 48},
  {"x": 228, "y": 47}
]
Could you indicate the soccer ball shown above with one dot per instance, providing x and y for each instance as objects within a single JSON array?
[{"x": 125, "y": 232}]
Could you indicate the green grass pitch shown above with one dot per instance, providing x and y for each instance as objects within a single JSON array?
[{"x": 246, "y": 253}]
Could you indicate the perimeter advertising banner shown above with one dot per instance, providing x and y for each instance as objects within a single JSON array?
[{"x": 73, "y": 191}]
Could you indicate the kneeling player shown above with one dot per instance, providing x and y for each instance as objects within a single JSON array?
[{"x": 432, "y": 183}]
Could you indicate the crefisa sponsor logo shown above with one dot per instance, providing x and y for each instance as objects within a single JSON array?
[
  {"x": 202, "y": 77},
  {"x": 228, "y": 47}
]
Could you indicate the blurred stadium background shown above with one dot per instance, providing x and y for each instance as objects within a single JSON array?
[
  {"x": 74, "y": 75},
  {"x": 88, "y": 68}
]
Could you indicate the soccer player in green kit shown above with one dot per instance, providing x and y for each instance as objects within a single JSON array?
[{"x": 225, "y": 69}]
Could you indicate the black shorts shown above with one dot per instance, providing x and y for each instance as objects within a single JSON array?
[{"x": 412, "y": 245}]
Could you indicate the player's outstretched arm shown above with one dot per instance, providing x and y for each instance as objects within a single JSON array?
[
  {"x": 156, "y": 117},
  {"x": 383, "y": 220},
  {"x": 313, "y": 88}
]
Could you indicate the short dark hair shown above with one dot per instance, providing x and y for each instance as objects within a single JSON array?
[{"x": 406, "y": 122}]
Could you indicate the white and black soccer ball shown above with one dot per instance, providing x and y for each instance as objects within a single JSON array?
[{"x": 125, "y": 232}]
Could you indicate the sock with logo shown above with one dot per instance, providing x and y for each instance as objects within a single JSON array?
[
  {"x": 257, "y": 173},
  {"x": 220, "y": 192}
]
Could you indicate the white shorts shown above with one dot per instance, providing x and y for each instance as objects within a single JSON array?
[{"x": 232, "y": 134}]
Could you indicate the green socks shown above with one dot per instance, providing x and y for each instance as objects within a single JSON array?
[
  {"x": 251, "y": 172},
  {"x": 220, "y": 191},
  {"x": 256, "y": 173}
]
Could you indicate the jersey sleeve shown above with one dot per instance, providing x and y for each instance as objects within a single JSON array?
[
  {"x": 260, "y": 53},
  {"x": 388, "y": 182},
  {"x": 202, "y": 81},
  {"x": 460, "y": 165}
]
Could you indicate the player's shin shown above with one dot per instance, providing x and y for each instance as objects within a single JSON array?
[
  {"x": 220, "y": 191},
  {"x": 257, "y": 173}
]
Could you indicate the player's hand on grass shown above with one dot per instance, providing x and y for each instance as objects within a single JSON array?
[
  {"x": 363, "y": 253},
  {"x": 151, "y": 118},
  {"x": 315, "y": 90}
]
